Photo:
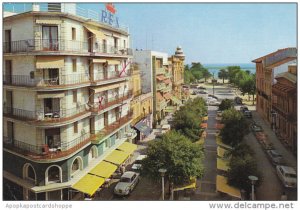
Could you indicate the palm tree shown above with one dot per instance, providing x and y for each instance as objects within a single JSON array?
[{"x": 223, "y": 74}]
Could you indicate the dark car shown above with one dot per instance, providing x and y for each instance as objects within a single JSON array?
[
  {"x": 202, "y": 88},
  {"x": 275, "y": 157},
  {"x": 248, "y": 114},
  {"x": 256, "y": 128},
  {"x": 202, "y": 92},
  {"x": 213, "y": 96},
  {"x": 238, "y": 100},
  {"x": 244, "y": 108}
]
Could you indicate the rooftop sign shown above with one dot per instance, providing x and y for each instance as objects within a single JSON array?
[{"x": 108, "y": 15}]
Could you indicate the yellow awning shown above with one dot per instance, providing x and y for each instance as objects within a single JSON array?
[
  {"x": 128, "y": 147},
  {"x": 47, "y": 21},
  {"x": 191, "y": 185},
  {"x": 99, "y": 35},
  {"x": 104, "y": 169},
  {"x": 88, "y": 184},
  {"x": 222, "y": 164},
  {"x": 117, "y": 157},
  {"x": 99, "y": 60},
  {"x": 113, "y": 62},
  {"x": 50, "y": 95},
  {"x": 107, "y": 87},
  {"x": 221, "y": 152},
  {"x": 48, "y": 62},
  {"x": 223, "y": 187}
]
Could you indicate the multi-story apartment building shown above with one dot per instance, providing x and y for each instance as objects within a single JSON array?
[
  {"x": 177, "y": 65},
  {"x": 157, "y": 76},
  {"x": 141, "y": 106},
  {"x": 66, "y": 104},
  {"x": 284, "y": 105},
  {"x": 267, "y": 67}
]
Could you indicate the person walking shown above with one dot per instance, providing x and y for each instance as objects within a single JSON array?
[{"x": 123, "y": 168}]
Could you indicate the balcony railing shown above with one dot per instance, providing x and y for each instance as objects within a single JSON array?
[
  {"x": 43, "y": 151},
  {"x": 97, "y": 107},
  {"x": 105, "y": 77},
  {"x": 45, "y": 115},
  {"x": 31, "y": 45},
  {"x": 111, "y": 49},
  {"x": 98, "y": 135},
  {"x": 26, "y": 80}
]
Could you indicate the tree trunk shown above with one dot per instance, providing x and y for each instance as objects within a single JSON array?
[
  {"x": 223, "y": 80},
  {"x": 253, "y": 99}
]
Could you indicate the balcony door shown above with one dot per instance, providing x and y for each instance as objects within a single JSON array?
[
  {"x": 50, "y": 38},
  {"x": 9, "y": 102},
  {"x": 7, "y": 41},
  {"x": 90, "y": 42},
  {"x": 52, "y": 107},
  {"x": 8, "y": 72},
  {"x": 10, "y": 132},
  {"x": 53, "y": 138},
  {"x": 51, "y": 76}
]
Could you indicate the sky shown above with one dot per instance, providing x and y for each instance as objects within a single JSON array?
[{"x": 209, "y": 33}]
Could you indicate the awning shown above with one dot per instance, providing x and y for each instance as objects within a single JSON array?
[
  {"x": 99, "y": 35},
  {"x": 160, "y": 77},
  {"x": 113, "y": 62},
  {"x": 99, "y": 60},
  {"x": 47, "y": 21},
  {"x": 222, "y": 165},
  {"x": 48, "y": 62},
  {"x": 88, "y": 184},
  {"x": 223, "y": 187},
  {"x": 104, "y": 169},
  {"x": 50, "y": 95},
  {"x": 127, "y": 147},
  {"x": 159, "y": 96},
  {"x": 107, "y": 87},
  {"x": 176, "y": 100},
  {"x": 142, "y": 127},
  {"x": 167, "y": 81},
  {"x": 117, "y": 157},
  {"x": 167, "y": 96},
  {"x": 191, "y": 185},
  {"x": 170, "y": 109}
]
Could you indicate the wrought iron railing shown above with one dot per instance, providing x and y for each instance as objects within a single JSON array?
[{"x": 26, "y": 80}]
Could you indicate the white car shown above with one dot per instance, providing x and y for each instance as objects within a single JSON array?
[
  {"x": 127, "y": 183},
  {"x": 137, "y": 164},
  {"x": 287, "y": 175}
]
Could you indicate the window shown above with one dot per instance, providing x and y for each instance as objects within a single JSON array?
[
  {"x": 124, "y": 43},
  {"x": 74, "y": 65},
  {"x": 50, "y": 37},
  {"x": 53, "y": 174},
  {"x": 75, "y": 96},
  {"x": 73, "y": 33},
  {"x": 77, "y": 165},
  {"x": 75, "y": 127},
  {"x": 31, "y": 75},
  {"x": 104, "y": 45},
  {"x": 31, "y": 173}
]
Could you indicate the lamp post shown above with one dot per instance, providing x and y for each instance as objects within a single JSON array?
[
  {"x": 162, "y": 172},
  {"x": 253, "y": 180}
]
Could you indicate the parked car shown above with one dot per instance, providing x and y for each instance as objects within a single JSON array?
[
  {"x": 256, "y": 128},
  {"x": 213, "y": 103},
  {"x": 275, "y": 157},
  {"x": 238, "y": 100},
  {"x": 137, "y": 165},
  {"x": 287, "y": 175},
  {"x": 202, "y": 88},
  {"x": 244, "y": 108},
  {"x": 213, "y": 96},
  {"x": 127, "y": 183},
  {"x": 248, "y": 114},
  {"x": 202, "y": 92}
]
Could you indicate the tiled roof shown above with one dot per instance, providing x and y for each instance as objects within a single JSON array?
[
  {"x": 280, "y": 62},
  {"x": 289, "y": 76},
  {"x": 159, "y": 96},
  {"x": 257, "y": 60},
  {"x": 283, "y": 88}
]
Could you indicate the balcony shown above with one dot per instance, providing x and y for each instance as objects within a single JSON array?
[
  {"x": 61, "y": 81},
  {"x": 160, "y": 86},
  {"x": 57, "y": 45},
  {"x": 97, "y": 107},
  {"x": 43, "y": 152},
  {"x": 37, "y": 45},
  {"x": 105, "y": 78},
  {"x": 45, "y": 116},
  {"x": 98, "y": 135},
  {"x": 161, "y": 70},
  {"x": 111, "y": 49}
]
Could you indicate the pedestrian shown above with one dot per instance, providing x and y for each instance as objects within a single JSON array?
[
  {"x": 283, "y": 196},
  {"x": 123, "y": 169}
]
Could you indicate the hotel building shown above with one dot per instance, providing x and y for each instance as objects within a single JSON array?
[{"x": 66, "y": 104}]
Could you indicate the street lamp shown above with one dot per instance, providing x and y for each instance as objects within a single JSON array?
[
  {"x": 162, "y": 172},
  {"x": 253, "y": 180}
]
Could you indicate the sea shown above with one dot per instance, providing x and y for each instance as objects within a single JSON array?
[{"x": 215, "y": 67}]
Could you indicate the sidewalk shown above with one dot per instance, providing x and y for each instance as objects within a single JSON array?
[{"x": 287, "y": 154}]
